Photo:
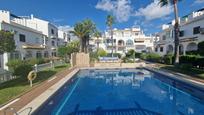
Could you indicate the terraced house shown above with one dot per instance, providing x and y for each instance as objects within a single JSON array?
[
  {"x": 126, "y": 39},
  {"x": 191, "y": 33},
  {"x": 34, "y": 38}
]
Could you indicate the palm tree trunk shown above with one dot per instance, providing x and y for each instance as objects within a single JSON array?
[
  {"x": 176, "y": 30},
  {"x": 97, "y": 43},
  {"x": 81, "y": 45},
  {"x": 111, "y": 41}
]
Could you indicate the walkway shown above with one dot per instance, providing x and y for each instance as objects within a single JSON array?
[{"x": 26, "y": 98}]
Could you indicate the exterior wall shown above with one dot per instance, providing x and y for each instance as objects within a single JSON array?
[
  {"x": 80, "y": 60},
  {"x": 188, "y": 41},
  {"x": 130, "y": 38},
  {"x": 1, "y": 62}
]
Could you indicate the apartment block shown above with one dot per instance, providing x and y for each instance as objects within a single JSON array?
[{"x": 191, "y": 33}]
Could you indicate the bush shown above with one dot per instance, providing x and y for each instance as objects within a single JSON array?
[
  {"x": 23, "y": 70},
  {"x": 127, "y": 60},
  {"x": 194, "y": 60},
  {"x": 153, "y": 57},
  {"x": 34, "y": 61},
  {"x": 143, "y": 56},
  {"x": 185, "y": 66},
  {"x": 201, "y": 48},
  {"x": 101, "y": 52},
  {"x": 13, "y": 64},
  {"x": 168, "y": 59},
  {"x": 93, "y": 56}
]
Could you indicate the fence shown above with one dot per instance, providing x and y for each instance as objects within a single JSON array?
[
  {"x": 7, "y": 76},
  {"x": 45, "y": 66}
]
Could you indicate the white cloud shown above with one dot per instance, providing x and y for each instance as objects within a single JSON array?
[
  {"x": 198, "y": 1},
  {"x": 65, "y": 28},
  {"x": 154, "y": 11},
  {"x": 121, "y": 9}
]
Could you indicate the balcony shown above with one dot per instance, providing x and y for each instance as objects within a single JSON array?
[{"x": 32, "y": 46}]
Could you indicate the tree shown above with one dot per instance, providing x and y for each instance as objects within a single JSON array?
[
  {"x": 84, "y": 30},
  {"x": 109, "y": 22},
  {"x": 97, "y": 34},
  {"x": 62, "y": 51},
  {"x": 66, "y": 51},
  {"x": 101, "y": 52},
  {"x": 176, "y": 26},
  {"x": 7, "y": 42},
  {"x": 80, "y": 32},
  {"x": 90, "y": 26}
]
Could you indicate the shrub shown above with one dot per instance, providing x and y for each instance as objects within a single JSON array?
[
  {"x": 153, "y": 57},
  {"x": 194, "y": 60},
  {"x": 22, "y": 70},
  {"x": 127, "y": 60},
  {"x": 168, "y": 59},
  {"x": 93, "y": 56},
  {"x": 117, "y": 55},
  {"x": 143, "y": 56},
  {"x": 185, "y": 66},
  {"x": 13, "y": 64},
  {"x": 201, "y": 48},
  {"x": 34, "y": 61},
  {"x": 101, "y": 52}
]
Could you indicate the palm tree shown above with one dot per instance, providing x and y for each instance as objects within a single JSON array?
[
  {"x": 90, "y": 28},
  {"x": 84, "y": 30},
  {"x": 176, "y": 26},
  {"x": 109, "y": 22},
  {"x": 97, "y": 34},
  {"x": 80, "y": 32}
]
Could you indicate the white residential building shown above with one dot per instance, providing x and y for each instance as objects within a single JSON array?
[
  {"x": 126, "y": 39},
  {"x": 34, "y": 38},
  {"x": 191, "y": 33}
]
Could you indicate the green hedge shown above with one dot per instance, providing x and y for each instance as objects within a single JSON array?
[
  {"x": 194, "y": 60},
  {"x": 22, "y": 70},
  {"x": 153, "y": 57},
  {"x": 168, "y": 59}
]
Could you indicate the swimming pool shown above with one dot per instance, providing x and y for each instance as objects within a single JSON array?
[{"x": 124, "y": 92}]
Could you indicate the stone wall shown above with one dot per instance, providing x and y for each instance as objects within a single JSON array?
[{"x": 80, "y": 60}]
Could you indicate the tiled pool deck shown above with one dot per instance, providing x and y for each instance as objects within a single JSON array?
[{"x": 33, "y": 99}]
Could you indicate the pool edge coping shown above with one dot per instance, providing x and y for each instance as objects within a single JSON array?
[
  {"x": 38, "y": 101},
  {"x": 43, "y": 97}
]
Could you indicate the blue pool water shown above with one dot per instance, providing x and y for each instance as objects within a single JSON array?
[{"x": 124, "y": 92}]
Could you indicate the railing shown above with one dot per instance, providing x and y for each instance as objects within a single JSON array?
[
  {"x": 6, "y": 76},
  {"x": 45, "y": 66}
]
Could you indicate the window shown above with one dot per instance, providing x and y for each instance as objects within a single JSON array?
[
  {"x": 129, "y": 42},
  {"x": 46, "y": 54},
  {"x": 38, "y": 54},
  {"x": 163, "y": 37},
  {"x": 28, "y": 54},
  {"x": 37, "y": 40},
  {"x": 22, "y": 38},
  {"x": 161, "y": 49},
  {"x": 52, "y": 31},
  {"x": 196, "y": 30},
  {"x": 15, "y": 55},
  {"x": 156, "y": 49},
  {"x": 181, "y": 33},
  {"x": 53, "y": 43}
]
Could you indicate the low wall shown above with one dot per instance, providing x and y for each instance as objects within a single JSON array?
[
  {"x": 123, "y": 65},
  {"x": 80, "y": 60}
]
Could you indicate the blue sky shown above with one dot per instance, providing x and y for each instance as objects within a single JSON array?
[{"x": 128, "y": 13}]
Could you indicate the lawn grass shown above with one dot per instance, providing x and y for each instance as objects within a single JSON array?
[
  {"x": 11, "y": 89},
  {"x": 198, "y": 73}
]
